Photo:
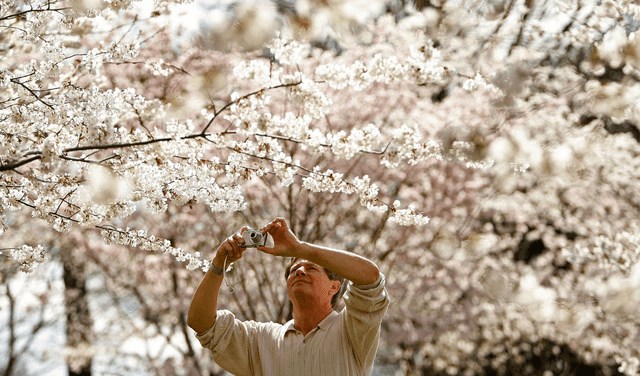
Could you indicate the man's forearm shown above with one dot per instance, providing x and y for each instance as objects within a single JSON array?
[
  {"x": 355, "y": 268},
  {"x": 202, "y": 311},
  {"x": 348, "y": 265}
]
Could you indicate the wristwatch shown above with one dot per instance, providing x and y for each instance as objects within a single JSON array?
[{"x": 215, "y": 269}]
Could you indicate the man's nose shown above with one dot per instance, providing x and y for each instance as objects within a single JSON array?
[{"x": 300, "y": 271}]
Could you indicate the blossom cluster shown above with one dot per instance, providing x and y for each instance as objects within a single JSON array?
[
  {"x": 408, "y": 217},
  {"x": 287, "y": 52},
  {"x": 628, "y": 366},
  {"x": 618, "y": 295},
  {"x": 28, "y": 257},
  {"x": 617, "y": 253},
  {"x": 423, "y": 67},
  {"x": 619, "y": 49},
  {"x": 250, "y": 114},
  {"x": 158, "y": 68},
  {"x": 151, "y": 243}
]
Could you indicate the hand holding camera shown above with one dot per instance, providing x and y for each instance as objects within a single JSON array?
[{"x": 255, "y": 239}]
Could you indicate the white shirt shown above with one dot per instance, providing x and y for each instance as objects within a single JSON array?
[{"x": 344, "y": 343}]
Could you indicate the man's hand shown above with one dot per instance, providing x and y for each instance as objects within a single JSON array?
[
  {"x": 231, "y": 248},
  {"x": 285, "y": 242}
]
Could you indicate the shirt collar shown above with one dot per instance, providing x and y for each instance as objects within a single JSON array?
[
  {"x": 323, "y": 325},
  {"x": 288, "y": 327}
]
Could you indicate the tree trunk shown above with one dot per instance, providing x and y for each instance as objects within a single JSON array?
[
  {"x": 79, "y": 323},
  {"x": 12, "y": 334}
]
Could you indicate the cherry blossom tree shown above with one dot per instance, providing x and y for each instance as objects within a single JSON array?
[{"x": 483, "y": 154}]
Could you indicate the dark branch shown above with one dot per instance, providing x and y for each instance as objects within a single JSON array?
[
  {"x": 23, "y": 13},
  {"x": 119, "y": 146},
  {"x": 15, "y": 164},
  {"x": 33, "y": 93}
]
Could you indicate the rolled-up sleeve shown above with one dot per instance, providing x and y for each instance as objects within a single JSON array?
[
  {"x": 231, "y": 343},
  {"x": 365, "y": 308}
]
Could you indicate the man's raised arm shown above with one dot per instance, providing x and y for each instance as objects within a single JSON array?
[
  {"x": 355, "y": 268},
  {"x": 202, "y": 311}
]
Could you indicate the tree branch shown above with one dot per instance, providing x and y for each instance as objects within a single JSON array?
[
  {"x": 244, "y": 97},
  {"x": 23, "y": 13},
  {"x": 33, "y": 93},
  {"x": 15, "y": 164}
]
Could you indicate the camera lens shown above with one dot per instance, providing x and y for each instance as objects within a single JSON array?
[{"x": 255, "y": 236}]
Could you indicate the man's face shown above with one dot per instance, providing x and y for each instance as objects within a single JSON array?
[{"x": 309, "y": 280}]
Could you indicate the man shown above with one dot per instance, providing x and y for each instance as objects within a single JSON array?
[{"x": 318, "y": 341}]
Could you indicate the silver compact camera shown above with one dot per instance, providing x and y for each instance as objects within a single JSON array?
[{"x": 255, "y": 239}]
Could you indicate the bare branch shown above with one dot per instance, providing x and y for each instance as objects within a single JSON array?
[{"x": 15, "y": 164}]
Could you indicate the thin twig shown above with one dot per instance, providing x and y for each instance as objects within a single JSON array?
[
  {"x": 64, "y": 200},
  {"x": 83, "y": 159},
  {"x": 21, "y": 14},
  {"x": 215, "y": 115},
  {"x": 33, "y": 93}
]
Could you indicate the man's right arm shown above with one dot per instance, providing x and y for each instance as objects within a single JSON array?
[{"x": 203, "y": 308}]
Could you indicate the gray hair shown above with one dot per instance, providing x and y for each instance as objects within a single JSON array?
[{"x": 332, "y": 276}]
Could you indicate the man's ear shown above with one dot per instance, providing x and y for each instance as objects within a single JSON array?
[{"x": 335, "y": 286}]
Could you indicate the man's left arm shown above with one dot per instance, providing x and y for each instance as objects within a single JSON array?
[
  {"x": 365, "y": 309},
  {"x": 355, "y": 268}
]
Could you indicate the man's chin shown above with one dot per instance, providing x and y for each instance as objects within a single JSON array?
[
  {"x": 302, "y": 288},
  {"x": 300, "y": 282}
]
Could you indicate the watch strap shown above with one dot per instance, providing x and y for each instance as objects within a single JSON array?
[{"x": 215, "y": 269}]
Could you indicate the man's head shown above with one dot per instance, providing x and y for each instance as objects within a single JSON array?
[{"x": 302, "y": 274}]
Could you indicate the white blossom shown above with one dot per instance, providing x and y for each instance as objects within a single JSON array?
[
  {"x": 104, "y": 187},
  {"x": 618, "y": 253},
  {"x": 408, "y": 217},
  {"x": 28, "y": 257},
  {"x": 425, "y": 65},
  {"x": 629, "y": 366},
  {"x": 479, "y": 82},
  {"x": 157, "y": 68},
  {"x": 255, "y": 70},
  {"x": 152, "y": 243},
  {"x": 287, "y": 52},
  {"x": 308, "y": 94},
  {"x": 538, "y": 300},
  {"x": 285, "y": 168},
  {"x": 337, "y": 76}
]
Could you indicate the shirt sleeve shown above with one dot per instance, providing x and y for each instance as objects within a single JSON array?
[
  {"x": 232, "y": 343},
  {"x": 365, "y": 307}
]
